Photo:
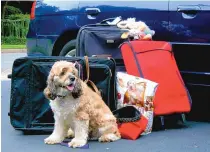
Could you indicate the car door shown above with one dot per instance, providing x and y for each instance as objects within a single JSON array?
[
  {"x": 189, "y": 21},
  {"x": 154, "y": 14},
  {"x": 190, "y": 34}
]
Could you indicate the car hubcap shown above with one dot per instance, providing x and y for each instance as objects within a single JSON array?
[{"x": 71, "y": 53}]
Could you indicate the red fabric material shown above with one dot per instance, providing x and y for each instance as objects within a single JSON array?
[
  {"x": 158, "y": 66},
  {"x": 132, "y": 130}
]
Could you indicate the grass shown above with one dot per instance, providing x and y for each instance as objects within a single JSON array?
[{"x": 5, "y": 46}]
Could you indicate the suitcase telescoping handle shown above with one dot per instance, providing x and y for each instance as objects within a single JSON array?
[
  {"x": 108, "y": 19},
  {"x": 88, "y": 81},
  {"x": 104, "y": 22}
]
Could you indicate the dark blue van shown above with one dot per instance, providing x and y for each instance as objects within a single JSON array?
[{"x": 54, "y": 24}]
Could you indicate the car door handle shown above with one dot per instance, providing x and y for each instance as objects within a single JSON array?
[
  {"x": 92, "y": 11},
  {"x": 188, "y": 12},
  {"x": 188, "y": 9}
]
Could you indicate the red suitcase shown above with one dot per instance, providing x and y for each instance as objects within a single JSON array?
[{"x": 154, "y": 60}]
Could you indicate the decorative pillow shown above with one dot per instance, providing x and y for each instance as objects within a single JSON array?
[{"x": 138, "y": 92}]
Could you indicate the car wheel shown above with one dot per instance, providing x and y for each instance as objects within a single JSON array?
[{"x": 69, "y": 49}]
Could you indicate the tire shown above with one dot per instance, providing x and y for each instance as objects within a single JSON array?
[{"x": 69, "y": 49}]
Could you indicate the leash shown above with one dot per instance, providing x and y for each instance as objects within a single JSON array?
[{"x": 88, "y": 81}]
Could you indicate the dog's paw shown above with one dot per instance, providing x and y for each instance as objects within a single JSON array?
[
  {"x": 53, "y": 140},
  {"x": 77, "y": 143},
  {"x": 108, "y": 138},
  {"x": 70, "y": 133}
]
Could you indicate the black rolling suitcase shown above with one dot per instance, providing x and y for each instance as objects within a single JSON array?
[
  {"x": 101, "y": 40},
  {"x": 30, "y": 110}
]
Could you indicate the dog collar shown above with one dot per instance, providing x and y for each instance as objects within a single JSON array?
[{"x": 60, "y": 96}]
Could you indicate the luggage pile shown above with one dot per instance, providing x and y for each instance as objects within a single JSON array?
[{"x": 128, "y": 68}]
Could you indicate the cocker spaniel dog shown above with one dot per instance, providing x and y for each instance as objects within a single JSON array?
[{"x": 79, "y": 112}]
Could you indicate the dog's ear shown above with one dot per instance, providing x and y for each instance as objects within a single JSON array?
[
  {"x": 77, "y": 91},
  {"x": 50, "y": 90},
  {"x": 75, "y": 64},
  {"x": 48, "y": 94}
]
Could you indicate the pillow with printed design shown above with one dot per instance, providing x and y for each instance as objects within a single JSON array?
[{"x": 138, "y": 92}]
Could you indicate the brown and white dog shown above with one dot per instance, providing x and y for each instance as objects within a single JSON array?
[{"x": 79, "y": 112}]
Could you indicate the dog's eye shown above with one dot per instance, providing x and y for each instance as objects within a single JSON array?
[{"x": 62, "y": 73}]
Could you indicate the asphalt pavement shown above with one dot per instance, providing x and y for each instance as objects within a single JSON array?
[
  {"x": 195, "y": 137},
  {"x": 7, "y": 60}
]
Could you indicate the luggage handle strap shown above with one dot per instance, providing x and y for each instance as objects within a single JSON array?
[
  {"x": 87, "y": 68},
  {"x": 88, "y": 81}
]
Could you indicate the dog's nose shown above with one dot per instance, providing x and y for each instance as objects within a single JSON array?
[{"x": 72, "y": 78}]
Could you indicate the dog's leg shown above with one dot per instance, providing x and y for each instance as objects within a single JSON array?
[
  {"x": 59, "y": 133},
  {"x": 109, "y": 133},
  {"x": 81, "y": 133},
  {"x": 109, "y": 137}
]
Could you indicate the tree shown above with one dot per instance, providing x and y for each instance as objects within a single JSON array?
[{"x": 7, "y": 9}]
